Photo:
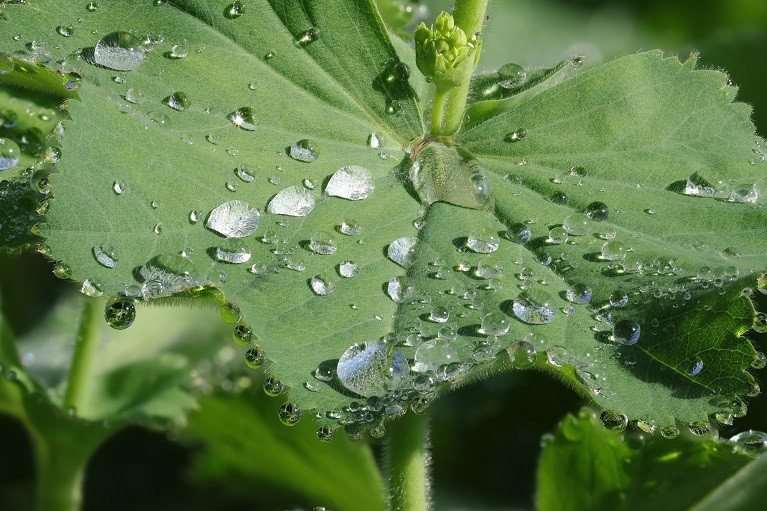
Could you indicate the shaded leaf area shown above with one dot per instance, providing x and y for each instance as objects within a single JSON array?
[
  {"x": 681, "y": 260},
  {"x": 401, "y": 16},
  {"x": 246, "y": 452},
  {"x": 585, "y": 466},
  {"x": 26, "y": 118}
]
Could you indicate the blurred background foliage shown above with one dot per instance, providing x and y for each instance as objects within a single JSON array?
[{"x": 485, "y": 437}]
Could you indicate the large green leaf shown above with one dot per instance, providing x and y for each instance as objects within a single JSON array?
[
  {"x": 627, "y": 122},
  {"x": 587, "y": 467}
]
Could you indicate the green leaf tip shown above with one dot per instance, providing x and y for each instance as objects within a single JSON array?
[{"x": 444, "y": 53}]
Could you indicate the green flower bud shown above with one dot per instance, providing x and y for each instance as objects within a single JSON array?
[{"x": 444, "y": 54}]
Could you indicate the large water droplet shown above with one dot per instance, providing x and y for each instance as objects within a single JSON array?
[
  {"x": 398, "y": 289},
  {"x": 348, "y": 269},
  {"x": 233, "y": 219},
  {"x": 368, "y": 370},
  {"x": 9, "y": 153},
  {"x": 352, "y": 183},
  {"x": 233, "y": 252},
  {"x": 511, "y": 75},
  {"x": 321, "y": 285},
  {"x": 613, "y": 421},
  {"x": 119, "y": 313},
  {"x": 255, "y": 357},
  {"x": 439, "y": 314},
  {"x": 576, "y": 224},
  {"x": 693, "y": 365},
  {"x": 322, "y": 243},
  {"x": 495, "y": 323},
  {"x": 105, "y": 255},
  {"x": 752, "y": 442},
  {"x": 304, "y": 150},
  {"x": 520, "y": 233},
  {"x": 613, "y": 251},
  {"x": 483, "y": 241},
  {"x": 534, "y": 307},
  {"x": 522, "y": 354},
  {"x": 120, "y": 51},
  {"x": 178, "y": 101},
  {"x": 597, "y": 211},
  {"x": 619, "y": 299},
  {"x": 273, "y": 387},
  {"x": 6, "y": 63},
  {"x": 289, "y": 414},
  {"x": 402, "y": 251},
  {"x": 579, "y": 293},
  {"x": 626, "y": 332},
  {"x": 433, "y": 354},
  {"x": 292, "y": 201},
  {"x": 244, "y": 117}
]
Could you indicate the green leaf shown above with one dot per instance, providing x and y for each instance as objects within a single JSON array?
[
  {"x": 585, "y": 466},
  {"x": 288, "y": 466}
]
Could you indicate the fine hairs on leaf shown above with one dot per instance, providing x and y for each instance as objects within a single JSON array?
[{"x": 376, "y": 225}]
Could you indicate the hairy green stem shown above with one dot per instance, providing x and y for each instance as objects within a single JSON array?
[
  {"x": 406, "y": 456},
  {"x": 469, "y": 15},
  {"x": 437, "y": 111},
  {"x": 86, "y": 345}
]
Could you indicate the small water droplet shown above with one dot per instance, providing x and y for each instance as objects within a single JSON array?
[
  {"x": 613, "y": 421},
  {"x": 120, "y": 51},
  {"x": 368, "y": 370},
  {"x": 350, "y": 227},
  {"x": 321, "y": 285},
  {"x": 134, "y": 96},
  {"x": 511, "y": 75},
  {"x": 520, "y": 233},
  {"x": 612, "y": 251},
  {"x": 178, "y": 101},
  {"x": 402, "y": 251},
  {"x": 233, "y": 10},
  {"x": 322, "y": 243},
  {"x": 619, "y": 299},
  {"x": 693, "y": 366},
  {"x": 516, "y": 135},
  {"x": 398, "y": 289},
  {"x": 304, "y": 150},
  {"x": 7, "y": 63},
  {"x": 291, "y": 201},
  {"x": 534, "y": 307},
  {"x": 597, "y": 211},
  {"x": 242, "y": 334},
  {"x": 233, "y": 252},
  {"x": 576, "y": 224},
  {"x": 90, "y": 288},
  {"x": 308, "y": 37},
  {"x": 9, "y": 153},
  {"x": 759, "y": 361},
  {"x": 230, "y": 313},
  {"x": 273, "y": 387},
  {"x": 65, "y": 30},
  {"x": 578, "y": 293},
  {"x": 120, "y": 313},
  {"x": 522, "y": 354},
  {"x": 233, "y": 219},
  {"x": 626, "y": 332},
  {"x": 289, "y": 414},
  {"x": 91, "y": 6},
  {"x": 495, "y": 324},
  {"x": 254, "y": 357},
  {"x": 483, "y": 241},
  {"x": 433, "y": 354},
  {"x": 105, "y": 255},
  {"x": 348, "y": 269},
  {"x": 244, "y": 117},
  {"x": 177, "y": 51},
  {"x": 559, "y": 198},
  {"x": 375, "y": 141},
  {"x": 352, "y": 183},
  {"x": 324, "y": 434}
]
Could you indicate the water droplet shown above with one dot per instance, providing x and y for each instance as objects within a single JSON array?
[
  {"x": 65, "y": 30},
  {"x": 91, "y": 6},
  {"x": 511, "y": 75},
  {"x": 289, "y": 414},
  {"x": 619, "y": 299},
  {"x": 534, "y": 307},
  {"x": 760, "y": 323},
  {"x": 119, "y": 313},
  {"x": 233, "y": 10},
  {"x": 322, "y": 243},
  {"x": 521, "y": 233},
  {"x": 557, "y": 236},
  {"x": 486, "y": 269},
  {"x": 626, "y": 332},
  {"x": 759, "y": 361},
  {"x": 402, "y": 251},
  {"x": 273, "y": 387},
  {"x": 348, "y": 269},
  {"x": 597, "y": 211},
  {"x": 230, "y": 313},
  {"x": 349, "y": 227},
  {"x": 693, "y": 365},
  {"x": 578, "y": 293},
  {"x": 242, "y": 334},
  {"x": 522, "y": 354},
  {"x": 393, "y": 106},
  {"x": 134, "y": 96},
  {"x": 433, "y": 354},
  {"x": 307, "y": 37},
  {"x": 62, "y": 271},
  {"x": 105, "y": 255},
  {"x": 304, "y": 150},
  {"x": 321, "y": 285},
  {"x": 352, "y": 183},
  {"x": 516, "y": 135},
  {"x": 612, "y": 251},
  {"x": 483, "y": 241},
  {"x": 439, "y": 314},
  {"x": 669, "y": 432},
  {"x": 234, "y": 252},
  {"x": 325, "y": 434},
  {"x": 613, "y": 421},
  {"x": 90, "y": 288},
  {"x": 291, "y": 201},
  {"x": 751, "y": 442},
  {"x": 178, "y": 101},
  {"x": 6, "y": 63},
  {"x": 177, "y": 51},
  {"x": 9, "y": 153},
  {"x": 269, "y": 55},
  {"x": 559, "y": 356},
  {"x": 368, "y": 370},
  {"x": 576, "y": 224},
  {"x": 375, "y": 141},
  {"x": 559, "y": 198},
  {"x": 233, "y": 219},
  {"x": 398, "y": 289},
  {"x": 495, "y": 324},
  {"x": 254, "y": 357},
  {"x": 245, "y": 173},
  {"x": 244, "y": 117},
  {"x": 120, "y": 51}
]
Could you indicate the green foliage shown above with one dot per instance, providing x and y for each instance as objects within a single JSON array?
[{"x": 585, "y": 466}]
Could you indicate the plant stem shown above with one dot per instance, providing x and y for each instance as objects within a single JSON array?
[
  {"x": 86, "y": 345},
  {"x": 469, "y": 15},
  {"x": 407, "y": 453},
  {"x": 437, "y": 111}
]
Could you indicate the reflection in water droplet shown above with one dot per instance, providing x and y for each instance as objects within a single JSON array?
[
  {"x": 751, "y": 441},
  {"x": 348, "y": 269},
  {"x": 304, "y": 150},
  {"x": 289, "y": 414},
  {"x": 579, "y": 293},
  {"x": 233, "y": 10},
  {"x": 519, "y": 232},
  {"x": 254, "y": 357},
  {"x": 321, "y": 285},
  {"x": 234, "y": 252},
  {"x": 402, "y": 251},
  {"x": 693, "y": 366},
  {"x": 307, "y": 37},
  {"x": 576, "y": 224},
  {"x": 119, "y": 313},
  {"x": 178, "y": 101},
  {"x": 433, "y": 354},
  {"x": 352, "y": 183},
  {"x": 511, "y": 75},
  {"x": 322, "y": 243},
  {"x": 9, "y": 153},
  {"x": 495, "y": 323},
  {"x": 597, "y": 211},
  {"x": 534, "y": 307},
  {"x": 626, "y": 332},
  {"x": 516, "y": 135},
  {"x": 273, "y": 387},
  {"x": 105, "y": 255},
  {"x": 483, "y": 241},
  {"x": 6, "y": 63},
  {"x": 233, "y": 219},
  {"x": 244, "y": 117},
  {"x": 398, "y": 289},
  {"x": 368, "y": 370},
  {"x": 120, "y": 51},
  {"x": 242, "y": 334},
  {"x": 614, "y": 421},
  {"x": 522, "y": 354},
  {"x": 291, "y": 201}
]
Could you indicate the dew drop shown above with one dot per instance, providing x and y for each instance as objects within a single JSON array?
[
  {"x": 576, "y": 224},
  {"x": 230, "y": 313},
  {"x": 234, "y": 252},
  {"x": 304, "y": 150},
  {"x": 511, "y": 75},
  {"x": 483, "y": 241},
  {"x": 134, "y": 96},
  {"x": 233, "y": 219},
  {"x": 619, "y": 299},
  {"x": 613, "y": 421},
  {"x": 519, "y": 233},
  {"x": 91, "y": 6},
  {"x": 578, "y": 293},
  {"x": 516, "y": 135},
  {"x": 119, "y": 313},
  {"x": 105, "y": 255},
  {"x": 350, "y": 227},
  {"x": 307, "y": 37},
  {"x": 321, "y": 285},
  {"x": 322, "y": 243},
  {"x": 433, "y": 354},
  {"x": 65, "y": 30},
  {"x": 402, "y": 251},
  {"x": 626, "y": 332},
  {"x": 7, "y": 63},
  {"x": 90, "y": 288},
  {"x": 559, "y": 198},
  {"x": 254, "y": 357},
  {"x": 233, "y": 10},
  {"x": 751, "y": 442},
  {"x": 178, "y": 101},
  {"x": 352, "y": 183},
  {"x": 289, "y": 414},
  {"x": 291, "y": 201},
  {"x": 522, "y": 354},
  {"x": 375, "y": 141},
  {"x": 244, "y": 118},
  {"x": 494, "y": 324},
  {"x": 669, "y": 432},
  {"x": 242, "y": 334},
  {"x": 273, "y": 387},
  {"x": 348, "y": 269},
  {"x": 324, "y": 434},
  {"x": 9, "y": 153},
  {"x": 534, "y": 307},
  {"x": 398, "y": 289},
  {"x": 120, "y": 51},
  {"x": 693, "y": 366},
  {"x": 62, "y": 271},
  {"x": 177, "y": 51},
  {"x": 759, "y": 361},
  {"x": 612, "y": 251},
  {"x": 365, "y": 368},
  {"x": 597, "y": 211},
  {"x": 439, "y": 314}
]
